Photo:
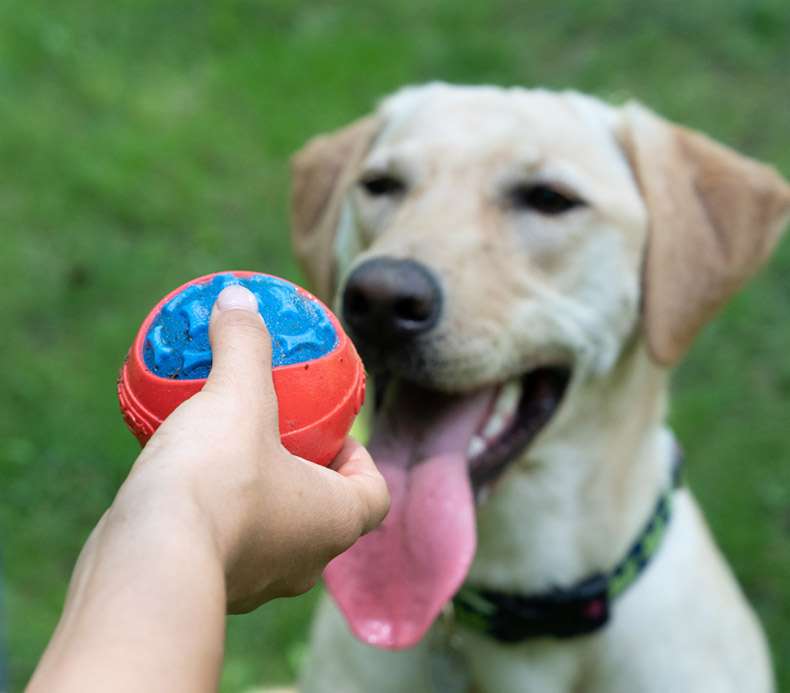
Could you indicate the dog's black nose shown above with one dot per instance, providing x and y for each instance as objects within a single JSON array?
[{"x": 387, "y": 299}]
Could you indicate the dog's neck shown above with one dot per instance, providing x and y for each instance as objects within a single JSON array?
[{"x": 583, "y": 492}]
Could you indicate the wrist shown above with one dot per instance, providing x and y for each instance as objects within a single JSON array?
[{"x": 161, "y": 515}]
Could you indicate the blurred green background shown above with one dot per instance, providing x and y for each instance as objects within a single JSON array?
[{"x": 144, "y": 142}]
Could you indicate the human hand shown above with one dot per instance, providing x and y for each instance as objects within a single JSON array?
[
  {"x": 276, "y": 520},
  {"x": 214, "y": 516}
]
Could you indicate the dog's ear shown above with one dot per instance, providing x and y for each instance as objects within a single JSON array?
[
  {"x": 322, "y": 171},
  {"x": 714, "y": 218}
]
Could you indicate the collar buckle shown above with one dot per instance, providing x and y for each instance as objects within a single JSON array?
[
  {"x": 583, "y": 609},
  {"x": 561, "y": 613},
  {"x": 564, "y": 613}
]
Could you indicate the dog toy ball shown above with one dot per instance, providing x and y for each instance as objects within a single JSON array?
[{"x": 318, "y": 376}]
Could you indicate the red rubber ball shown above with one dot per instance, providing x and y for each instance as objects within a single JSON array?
[{"x": 318, "y": 377}]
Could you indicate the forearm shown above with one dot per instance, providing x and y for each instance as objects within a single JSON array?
[{"x": 145, "y": 609}]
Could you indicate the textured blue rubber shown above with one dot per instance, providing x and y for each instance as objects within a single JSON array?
[{"x": 177, "y": 344}]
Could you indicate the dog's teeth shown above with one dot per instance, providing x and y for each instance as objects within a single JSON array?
[
  {"x": 506, "y": 403},
  {"x": 504, "y": 409},
  {"x": 476, "y": 446},
  {"x": 494, "y": 426}
]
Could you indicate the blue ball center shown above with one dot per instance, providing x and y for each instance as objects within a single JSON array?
[{"x": 177, "y": 345}]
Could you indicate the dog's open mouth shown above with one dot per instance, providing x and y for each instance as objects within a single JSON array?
[
  {"x": 520, "y": 410},
  {"x": 436, "y": 451}
]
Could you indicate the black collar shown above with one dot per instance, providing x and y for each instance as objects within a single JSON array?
[{"x": 570, "y": 611}]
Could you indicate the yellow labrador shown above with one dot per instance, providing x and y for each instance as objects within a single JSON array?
[{"x": 520, "y": 270}]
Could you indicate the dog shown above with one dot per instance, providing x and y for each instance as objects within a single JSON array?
[{"x": 520, "y": 270}]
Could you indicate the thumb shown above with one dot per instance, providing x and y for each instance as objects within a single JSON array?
[{"x": 241, "y": 350}]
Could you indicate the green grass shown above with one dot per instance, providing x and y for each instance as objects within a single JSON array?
[{"x": 145, "y": 142}]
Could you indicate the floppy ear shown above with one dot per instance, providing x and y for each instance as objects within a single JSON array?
[
  {"x": 322, "y": 171},
  {"x": 714, "y": 217}
]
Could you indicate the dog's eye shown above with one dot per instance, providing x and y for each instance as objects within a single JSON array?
[
  {"x": 544, "y": 199},
  {"x": 380, "y": 184}
]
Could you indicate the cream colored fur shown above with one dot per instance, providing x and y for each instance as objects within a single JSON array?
[{"x": 523, "y": 289}]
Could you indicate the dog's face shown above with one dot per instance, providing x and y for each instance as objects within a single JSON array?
[
  {"x": 488, "y": 252},
  {"x": 524, "y": 212}
]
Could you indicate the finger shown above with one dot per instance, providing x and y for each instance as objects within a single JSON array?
[
  {"x": 241, "y": 349},
  {"x": 365, "y": 481}
]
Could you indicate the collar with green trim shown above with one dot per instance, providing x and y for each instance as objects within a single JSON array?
[{"x": 566, "y": 612}]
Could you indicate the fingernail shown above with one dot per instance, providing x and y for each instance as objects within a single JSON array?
[{"x": 236, "y": 297}]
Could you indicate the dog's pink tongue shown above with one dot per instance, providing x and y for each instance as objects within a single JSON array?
[{"x": 393, "y": 582}]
